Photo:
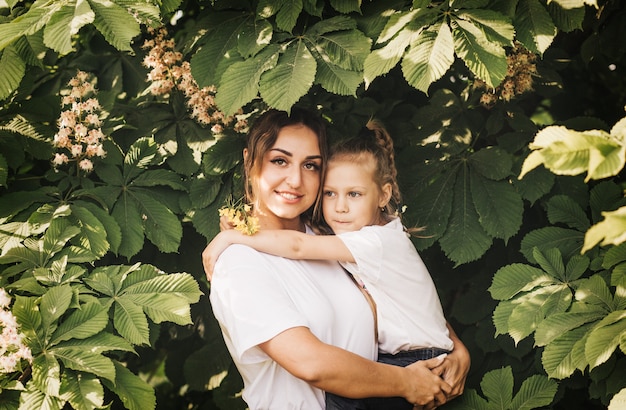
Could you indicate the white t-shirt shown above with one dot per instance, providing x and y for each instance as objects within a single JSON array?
[
  {"x": 410, "y": 315},
  {"x": 256, "y": 296}
]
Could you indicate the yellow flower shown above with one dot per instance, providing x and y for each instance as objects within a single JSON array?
[{"x": 239, "y": 214}]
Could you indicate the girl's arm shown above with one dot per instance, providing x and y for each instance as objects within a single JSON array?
[
  {"x": 284, "y": 243},
  {"x": 338, "y": 371}
]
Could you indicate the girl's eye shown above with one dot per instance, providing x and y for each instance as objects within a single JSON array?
[
  {"x": 329, "y": 193},
  {"x": 354, "y": 194}
]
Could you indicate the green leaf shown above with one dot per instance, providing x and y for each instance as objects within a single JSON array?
[
  {"x": 93, "y": 235},
  {"x": 35, "y": 399},
  {"x": 128, "y": 216},
  {"x": 537, "y": 391},
  {"x": 115, "y": 23},
  {"x": 618, "y": 401},
  {"x": 568, "y": 241},
  {"x": 560, "y": 323},
  {"x": 550, "y": 261},
  {"x": 240, "y": 82},
  {"x": 346, "y": 6},
  {"x": 218, "y": 44},
  {"x": 610, "y": 231},
  {"x": 85, "y": 361},
  {"x": 512, "y": 279},
  {"x": 181, "y": 285},
  {"x": 492, "y": 162},
  {"x": 112, "y": 229},
  {"x": 156, "y": 177},
  {"x": 82, "y": 390},
  {"x": 605, "y": 337},
  {"x": 27, "y": 23},
  {"x": 337, "y": 80},
  {"x": 499, "y": 206},
  {"x": 497, "y": 386},
  {"x": 380, "y": 61},
  {"x": 533, "y": 26},
  {"x": 594, "y": 291},
  {"x": 164, "y": 308},
  {"x": 429, "y": 56},
  {"x": 134, "y": 392},
  {"x": 486, "y": 59},
  {"x": 347, "y": 49},
  {"x": 13, "y": 69},
  {"x": 224, "y": 155},
  {"x": 140, "y": 155},
  {"x": 563, "y": 209},
  {"x": 162, "y": 226},
  {"x": 130, "y": 321},
  {"x": 282, "y": 86},
  {"x": 204, "y": 190},
  {"x": 28, "y": 316},
  {"x": 99, "y": 343},
  {"x": 55, "y": 303},
  {"x": 65, "y": 23},
  {"x": 253, "y": 37},
  {"x": 565, "y": 354},
  {"x": 84, "y": 322},
  {"x": 288, "y": 15},
  {"x": 465, "y": 239},
  {"x": 47, "y": 374},
  {"x": 497, "y": 27}
]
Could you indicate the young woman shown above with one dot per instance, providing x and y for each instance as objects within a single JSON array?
[{"x": 297, "y": 328}]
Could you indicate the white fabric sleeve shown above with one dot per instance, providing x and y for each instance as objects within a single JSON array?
[{"x": 367, "y": 250}]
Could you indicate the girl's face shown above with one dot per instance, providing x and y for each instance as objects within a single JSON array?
[
  {"x": 289, "y": 178},
  {"x": 352, "y": 199}
]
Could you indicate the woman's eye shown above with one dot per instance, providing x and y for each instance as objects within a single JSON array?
[
  {"x": 278, "y": 161},
  {"x": 312, "y": 166}
]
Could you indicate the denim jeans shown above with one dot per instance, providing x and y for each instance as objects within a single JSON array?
[{"x": 334, "y": 402}]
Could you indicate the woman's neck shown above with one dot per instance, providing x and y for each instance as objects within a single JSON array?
[{"x": 270, "y": 221}]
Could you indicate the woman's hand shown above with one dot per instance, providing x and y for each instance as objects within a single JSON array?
[
  {"x": 430, "y": 392},
  {"x": 455, "y": 366}
]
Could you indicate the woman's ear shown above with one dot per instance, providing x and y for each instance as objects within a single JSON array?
[
  {"x": 245, "y": 153},
  {"x": 385, "y": 196}
]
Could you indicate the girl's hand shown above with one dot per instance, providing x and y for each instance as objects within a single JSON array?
[{"x": 214, "y": 249}]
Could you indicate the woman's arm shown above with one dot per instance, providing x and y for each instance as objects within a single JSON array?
[
  {"x": 285, "y": 243},
  {"x": 338, "y": 371},
  {"x": 456, "y": 365}
]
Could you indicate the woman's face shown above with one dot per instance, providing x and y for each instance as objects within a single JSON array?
[{"x": 289, "y": 179}]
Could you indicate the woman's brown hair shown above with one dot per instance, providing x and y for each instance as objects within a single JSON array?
[{"x": 262, "y": 137}]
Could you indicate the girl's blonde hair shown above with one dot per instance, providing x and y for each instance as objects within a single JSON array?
[{"x": 373, "y": 141}]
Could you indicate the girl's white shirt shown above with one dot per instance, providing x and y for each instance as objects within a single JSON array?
[
  {"x": 256, "y": 296},
  {"x": 410, "y": 315}
]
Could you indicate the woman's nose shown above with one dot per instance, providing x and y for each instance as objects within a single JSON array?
[{"x": 294, "y": 178}]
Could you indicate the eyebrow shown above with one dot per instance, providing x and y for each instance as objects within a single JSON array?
[{"x": 289, "y": 154}]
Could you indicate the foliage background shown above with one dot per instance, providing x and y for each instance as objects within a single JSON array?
[{"x": 545, "y": 324}]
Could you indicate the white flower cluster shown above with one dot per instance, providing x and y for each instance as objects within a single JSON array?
[
  {"x": 12, "y": 349},
  {"x": 79, "y": 137},
  {"x": 168, "y": 71}
]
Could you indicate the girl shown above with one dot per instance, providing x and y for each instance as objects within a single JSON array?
[{"x": 360, "y": 199}]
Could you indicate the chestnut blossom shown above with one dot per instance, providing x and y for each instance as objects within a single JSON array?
[
  {"x": 169, "y": 72},
  {"x": 12, "y": 348},
  {"x": 79, "y": 136}
]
